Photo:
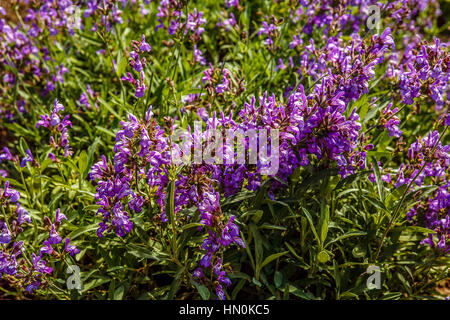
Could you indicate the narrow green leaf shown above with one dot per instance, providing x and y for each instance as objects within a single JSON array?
[
  {"x": 272, "y": 257},
  {"x": 308, "y": 216},
  {"x": 377, "y": 173}
]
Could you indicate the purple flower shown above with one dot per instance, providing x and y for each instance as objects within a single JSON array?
[
  {"x": 206, "y": 260},
  {"x": 28, "y": 158},
  {"x": 136, "y": 203},
  {"x": 6, "y": 155},
  {"x": 47, "y": 248},
  {"x": 71, "y": 249},
  {"x": 23, "y": 215},
  {"x": 59, "y": 217},
  {"x": 53, "y": 121},
  {"x": 198, "y": 273},
  {"x": 10, "y": 194},
  {"x": 392, "y": 121},
  {"x": 135, "y": 61},
  {"x": 5, "y": 233},
  {"x": 33, "y": 286},
  {"x": 231, "y": 234},
  {"x": 198, "y": 56},
  {"x": 219, "y": 293},
  {"x": 144, "y": 47},
  {"x": 39, "y": 265},
  {"x": 54, "y": 237},
  {"x": 296, "y": 42},
  {"x": 447, "y": 120},
  {"x": 232, "y": 3}
]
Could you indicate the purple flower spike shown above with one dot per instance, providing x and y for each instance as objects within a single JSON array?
[
  {"x": 145, "y": 47},
  {"x": 59, "y": 217},
  {"x": 54, "y": 236}
]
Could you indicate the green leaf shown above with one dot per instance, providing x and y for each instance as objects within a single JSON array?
[
  {"x": 415, "y": 229},
  {"x": 141, "y": 252},
  {"x": 347, "y": 235},
  {"x": 272, "y": 257},
  {"x": 175, "y": 286},
  {"x": 376, "y": 203},
  {"x": 82, "y": 164},
  {"x": 377, "y": 173},
  {"x": 92, "y": 207},
  {"x": 266, "y": 225},
  {"x": 351, "y": 178},
  {"x": 258, "y": 244},
  {"x": 103, "y": 102},
  {"x": 422, "y": 191},
  {"x": 256, "y": 282},
  {"x": 91, "y": 151},
  {"x": 119, "y": 293},
  {"x": 324, "y": 220},
  {"x": 255, "y": 214},
  {"x": 78, "y": 232},
  {"x": 237, "y": 288},
  {"x": 111, "y": 290},
  {"x": 191, "y": 225},
  {"x": 170, "y": 205},
  {"x": 95, "y": 283},
  {"x": 202, "y": 290},
  {"x": 238, "y": 197},
  {"x": 308, "y": 216},
  {"x": 122, "y": 66},
  {"x": 104, "y": 130},
  {"x": 299, "y": 292},
  {"x": 278, "y": 279}
]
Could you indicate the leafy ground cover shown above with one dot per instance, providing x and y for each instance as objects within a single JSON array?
[{"x": 351, "y": 96}]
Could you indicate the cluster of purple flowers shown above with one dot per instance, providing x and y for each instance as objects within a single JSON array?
[
  {"x": 433, "y": 211},
  {"x": 350, "y": 65},
  {"x": 318, "y": 127},
  {"x": 144, "y": 153},
  {"x": 59, "y": 138},
  {"x": 216, "y": 80},
  {"x": 24, "y": 57},
  {"x": 170, "y": 17},
  {"x": 312, "y": 128},
  {"x": 138, "y": 144},
  {"x": 228, "y": 23},
  {"x": 52, "y": 16},
  {"x": 138, "y": 64},
  {"x": 170, "y": 14},
  {"x": 86, "y": 96},
  {"x": 271, "y": 32},
  {"x": 405, "y": 14},
  {"x": 54, "y": 237},
  {"x": 105, "y": 13},
  {"x": 20, "y": 61},
  {"x": 390, "y": 121},
  {"x": 14, "y": 266},
  {"x": 424, "y": 70},
  {"x": 332, "y": 17}
]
